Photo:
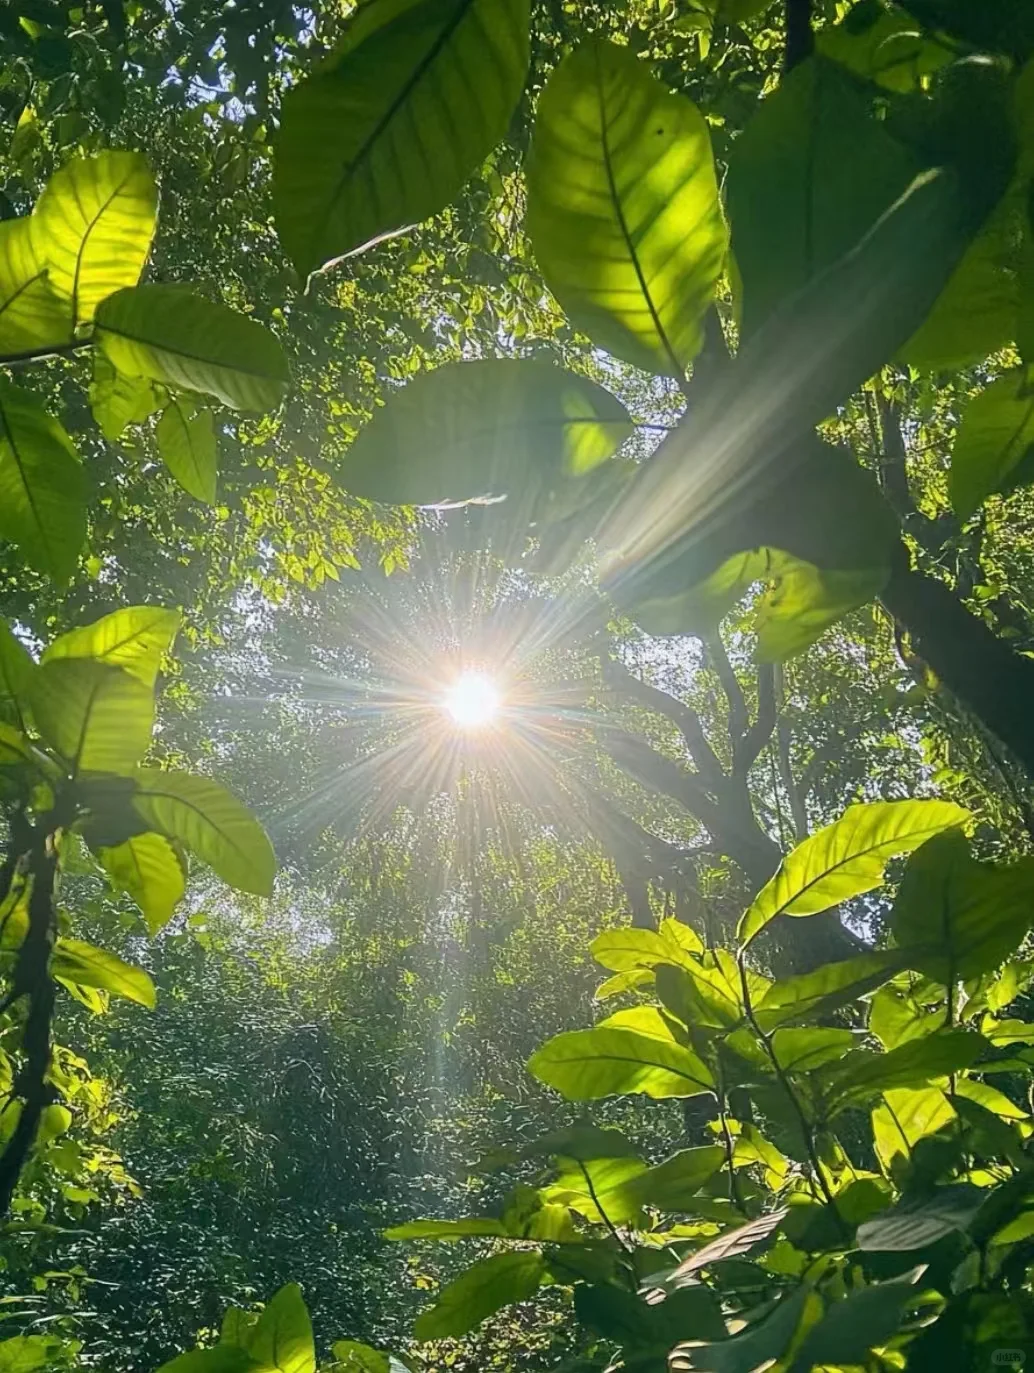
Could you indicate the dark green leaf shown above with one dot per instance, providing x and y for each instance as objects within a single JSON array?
[
  {"x": 861, "y": 1322},
  {"x": 484, "y": 1288},
  {"x": 761, "y": 1343},
  {"x": 914, "y": 1224},
  {"x": 993, "y": 442}
]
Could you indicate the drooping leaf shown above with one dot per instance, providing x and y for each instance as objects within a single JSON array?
[
  {"x": 958, "y": 917},
  {"x": 586, "y": 1064},
  {"x": 281, "y": 1338},
  {"x": 915, "y": 1223},
  {"x": 993, "y": 443},
  {"x": 97, "y": 716},
  {"x": 623, "y": 207},
  {"x": 386, "y": 131},
  {"x": 210, "y": 823},
  {"x": 93, "y": 967},
  {"x": 167, "y": 334},
  {"x": 862, "y": 1321},
  {"x": 93, "y": 226},
  {"x": 42, "y": 490},
  {"x": 135, "y": 639},
  {"x": 846, "y": 858},
  {"x": 151, "y": 869},
  {"x": 808, "y": 178},
  {"x": 484, "y": 1288},
  {"x": 117, "y": 400},
  {"x": 474, "y": 429},
  {"x": 186, "y": 442},
  {"x": 17, "y": 668},
  {"x": 33, "y": 317}
]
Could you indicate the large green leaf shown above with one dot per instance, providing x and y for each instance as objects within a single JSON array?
[
  {"x": 42, "y": 489},
  {"x": 97, "y": 716},
  {"x": 623, "y": 208},
  {"x": 117, "y": 400},
  {"x": 471, "y": 1227},
  {"x": 826, "y": 989},
  {"x": 585, "y": 1064},
  {"x": 93, "y": 226},
  {"x": 17, "y": 669},
  {"x": 808, "y": 178},
  {"x": 386, "y": 131},
  {"x": 907, "y": 1115},
  {"x": 911, "y": 1064},
  {"x": 220, "y": 1358},
  {"x": 960, "y": 917},
  {"x": 993, "y": 443},
  {"x": 673, "y": 1184},
  {"x": 618, "y": 1314},
  {"x": 883, "y": 44},
  {"x": 92, "y": 967},
  {"x": 353, "y": 1357},
  {"x": 916, "y": 1223},
  {"x": 490, "y": 428},
  {"x": 698, "y": 995},
  {"x": 629, "y": 948},
  {"x": 846, "y": 858},
  {"x": 167, "y": 334},
  {"x": 281, "y": 1338},
  {"x": 33, "y": 317},
  {"x": 860, "y": 1322},
  {"x": 135, "y": 639},
  {"x": 151, "y": 869},
  {"x": 186, "y": 441},
  {"x": 597, "y": 1187},
  {"x": 759, "y": 1345},
  {"x": 484, "y": 1288},
  {"x": 211, "y": 823}
]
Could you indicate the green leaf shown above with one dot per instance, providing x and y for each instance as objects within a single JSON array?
[
  {"x": 26, "y": 1353},
  {"x": 98, "y": 717},
  {"x": 501, "y": 427},
  {"x": 186, "y": 442},
  {"x": 860, "y": 1322},
  {"x": 17, "y": 669},
  {"x": 15, "y": 749},
  {"x": 385, "y": 132},
  {"x": 803, "y": 1050},
  {"x": 918, "y": 1222},
  {"x": 906, "y": 1116},
  {"x": 623, "y": 208},
  {"x": 484, "y": 1288},
  {"x": 674, "y": 1184},
  {"x": 221, "y": 1358},
  {"x": 586, "y": 1064},
  {"x": 582, "y": 1142},
  {"x": 281, "y": 1338},
  {"x": 625, "y": 949},
  {"x": 617, "y": 1314},
  {"x": 471, "y": 1227},
  {"x": 884, "y": 45},
  {"x": 757, "y": 1346},
  {"x": 93, "y": 967},
  {"x": 597, "y": 1187},
  {"x": 808, "y": 178},
  {"x": 354, "y": 1357},
  {"x": 151, "y": 869},
  {"x": 33, "y": 317},
  {"x": 210, "y": 823},
  {"x": 846, "y": 858},
  {"x": 117, "y": 400},
  {"x": 826, "y": 989},
  {"x": 733, "y": 1244},
  {"x": 42, "y": 489},
  {"x": 993, "y": 443},
  {"x": 135, "y": 639},
  {"x": 93, "y": 225},
  {"x": 977, "y": 312},
  {"x": 909, "y": 1065},
  {"x": 168, "y": 335},
  {"x": 697, "y": 995},
  {"x": 957, "y": 917}
]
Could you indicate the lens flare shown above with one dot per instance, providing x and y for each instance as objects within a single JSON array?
[{"x": 472, "y": 701}]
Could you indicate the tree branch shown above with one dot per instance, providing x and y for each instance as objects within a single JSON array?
[
  {"x": 757, "y": 736},
  {"x": 731, "y": 686},
  {"x": 684, "y": 717},
  {"x": 800, "y": 41}
]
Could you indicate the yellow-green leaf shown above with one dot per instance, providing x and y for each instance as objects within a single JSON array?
[
  {"x": 623, "y": 207},
  {"x": 42, "y": 489},
  {"x": 135, "y": 639},
  {"x": 993, "y": 443},
  {"x": 586, "y": 1064},
  {"x": 92, "y": 967},
  {"x": 168, "y": 335},
  {"x": 846, "y": 858},
  {"x": 17, "y": 668},
  {"x": 33, "y": 317},
  {"x": 93, "y": 225},
  {"x": 98, "y": 717},
  {"x": 186, "y": 442},
  {"x": 210, "y": 823},
  {"x": 117, "y": 400},
  {"x": 149, "y": 868}
]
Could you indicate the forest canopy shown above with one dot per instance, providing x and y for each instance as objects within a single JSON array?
[{"x": 516, "y": 662}]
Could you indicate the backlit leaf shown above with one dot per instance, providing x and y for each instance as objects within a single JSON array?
[
  {"x": 385, "y": 132},
  {"x": 97, "y": 716},
  {"x": 623, "y": 207},
  {"x": 281, "y": 1338},
  {"x": 93, "y": 967},
  {"x": 33, "y": 317},
  {"x": 117, "y": 400},
  {"x": 150, "y": 869},
  {"x": 586, "y": 1064},
  {"x": 168, "y": 335},
  {"x": 993, "y": 442},
  {"x": 135, "y": 639},
  {"x": 93, "y": 224},
  {"x": 186, "y": 442},
  {"x": 42, "y": 489},
  {"x": 484, "y": 1288}
]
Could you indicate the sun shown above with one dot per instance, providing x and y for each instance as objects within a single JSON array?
[{"x": 472, "y": 701}]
